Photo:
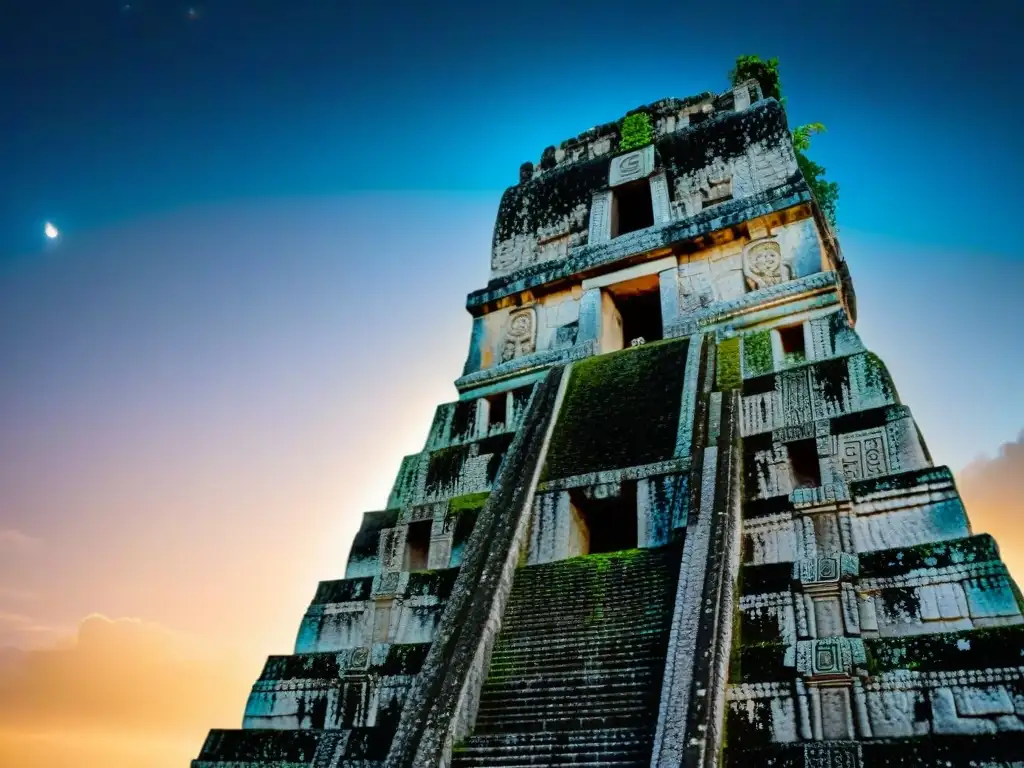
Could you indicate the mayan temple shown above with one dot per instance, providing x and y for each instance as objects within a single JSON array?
[{"x": 677, "y": 514}]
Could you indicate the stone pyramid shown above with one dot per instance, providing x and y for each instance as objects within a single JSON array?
[{"x": 677, "y": 515}]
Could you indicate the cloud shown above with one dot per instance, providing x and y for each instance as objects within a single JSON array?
[
  {"x": 122, "y": 676},
  {"x": 17, "y": 595},
  {"x": 24, "y": 629},
  {"x": 11, "y": 539},
  {"x": 993, "y": 490}
]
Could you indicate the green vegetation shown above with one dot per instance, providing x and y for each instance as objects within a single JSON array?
[
  {"x": 825, "y": 192},
  {"x": 636, "y": 131},
  {"x": 946, "y": 651},
  {"x": 757, "y": 354},
  {"x": 753, "y": 67},
  {"x": 887, "y": 562},
  {"x": 727, "y": 372},
  {"x": 766, "y": 72},
  {"x": 471, "y": 501},
  {"x": 607, "y": 397}
]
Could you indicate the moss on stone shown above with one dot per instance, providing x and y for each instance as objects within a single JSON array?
[
  {"x": 470, "y": 502},
  {"x": 367, "y": 539},
  {"x": 757, "y": 354},
  {"x": 765, "y": 578},
  {"x": 343, "y": 590},
  {"x": 891, "y": 562},
  {"x": 726, "y": 136},
  {"x": 434, "y": 583},
  {"x": 608, "y": 398},
  {"x": 405, "y": 658},
  {"x": 761, "y": 663},
  {"x": 549, "y": 199},
  {"x": 878, "y": 377},
  {"x": 727, "y": 371},
  {"x": 444, "y": 467},
  {"x": 948, "y": 651},
  {"x": 832, "y": 379},
  {"x": 860, "y": 420},
  {"x": 901, "y": 481}
]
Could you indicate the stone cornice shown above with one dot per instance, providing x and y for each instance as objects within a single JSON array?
[{"x": 590, "y": 257}]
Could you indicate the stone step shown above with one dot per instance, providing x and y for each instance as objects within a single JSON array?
[
  {"x": 566, "y": 648},
  {"x": 590, "y": 586},
  {"x": 575, "y": 673},
  {"x": 582, "y": 642},
  {"x": 610, "y": 693},
  {"x": 606, "y": 618},
  {"x": 610, "y": 718},
  {"x": 639, "y": 633},
  {"x": 631, "y": 758},
  {"x": 558, "y": 748},
  {"x": 602, "y": 685},
  {"x": 517, "y": 669},
  {"x": 592, "y": 591},
  {"x": 537, "y": 708},
  {"x": 587, "y": 630},
  {"x": 573, "y": 678},
  {"x": 599, "y": 737}
]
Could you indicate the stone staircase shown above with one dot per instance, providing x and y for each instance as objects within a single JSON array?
[{"x": 576, "y": 672}]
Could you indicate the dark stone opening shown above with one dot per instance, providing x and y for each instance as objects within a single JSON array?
[
  {"x": 641, "y": 316},
  {"x": 496, "y": 409},
  {"x": 634, "y": 208},
  {"x": 611, "y": 520},
  {"x": 793, "y": 343},
  {"x": 417, "y": 545},
  {"x": 803, "y": 463}
]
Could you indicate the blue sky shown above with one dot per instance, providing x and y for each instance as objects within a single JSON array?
[{"x": 272, "y": 213}]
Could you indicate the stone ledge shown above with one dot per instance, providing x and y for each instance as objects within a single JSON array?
[
  {"x": 669, "y": 467},
  {"x": 589, "y": 257},
  {"x": 526, "y": 364},
  {"x": 755, "y": 301}
]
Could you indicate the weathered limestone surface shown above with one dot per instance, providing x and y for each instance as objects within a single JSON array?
[{"x": 678, "y": 514}]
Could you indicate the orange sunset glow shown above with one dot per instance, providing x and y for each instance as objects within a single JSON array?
[{"x": 236, "y": 243}]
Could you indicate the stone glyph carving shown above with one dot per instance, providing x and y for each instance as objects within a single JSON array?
[
  {"x": 717, "y": 191},
  {"x": 660, "y": 199},
  {"x": 829, "y": 656},
  {"x": 764, "y": 265},
  {"x": 864, "y": 454},
  {"x": 392, "y": 549},
  {"x": 600, "y": 220},
  {"x": 631, "y": 166},
  {"x": 521, "y": 335}
]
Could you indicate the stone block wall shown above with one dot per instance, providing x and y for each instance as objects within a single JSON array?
[
  {"x": 867, "y": 610},
  {"x": 532, "y": 330},
  {"x": 734, "y": 151}
]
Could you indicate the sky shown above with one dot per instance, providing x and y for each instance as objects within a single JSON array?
[{"x": 271, "y": 214}]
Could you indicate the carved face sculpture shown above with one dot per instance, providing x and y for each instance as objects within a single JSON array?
[
  {"x": 766, "y": 262},
  {"x": 520, "y": 336},
  {"x": 763, "y": 265}
]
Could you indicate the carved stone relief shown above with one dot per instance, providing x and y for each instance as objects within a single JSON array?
[
  {"x": 631, "y": 166},
  {"x": 864, "y": 454},
  {"x": 764, "y": 265},
  {"x": 392, "y": 548},
  {"x": 600, "y": 218},
  {"x": 695, "y": 287},
  {"x": 521, "y": 335},
  {"x": 660, "y": 200},
  {"x": 716, "y": 191}
]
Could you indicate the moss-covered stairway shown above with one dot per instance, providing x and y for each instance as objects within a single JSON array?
[{"x": 575, "y": 675}]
